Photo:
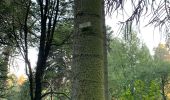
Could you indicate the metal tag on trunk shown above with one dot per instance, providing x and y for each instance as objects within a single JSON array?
[{"x": 84, "y": 25}]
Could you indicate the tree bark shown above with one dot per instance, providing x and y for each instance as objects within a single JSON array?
[
  {"x": 49, "y": 14},
  {"x": 88, "y": 59},
  {"x": 106, "y": 90},
  {"x": 4, "y": 70},
  {"x": 163, "y": 87}
]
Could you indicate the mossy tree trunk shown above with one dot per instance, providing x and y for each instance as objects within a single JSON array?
[{"x": 88, "y": 58}]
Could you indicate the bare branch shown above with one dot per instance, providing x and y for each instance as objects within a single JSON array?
[{"x": 56, "y": 93}]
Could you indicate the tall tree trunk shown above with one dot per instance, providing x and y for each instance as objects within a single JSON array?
[
  {"x": 163, "y": 87},
  {"x": 106, "y": 90},
  {"x": 88, "y": 60},
  {"x": 39, "y": 76},
  {"x": 4, "y": 71},
  {"x": 6, "y": 54},
  {"x": 49, "y": 13}
]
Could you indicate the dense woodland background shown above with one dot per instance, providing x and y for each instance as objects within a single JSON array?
[{"x": 79, "y": 58}]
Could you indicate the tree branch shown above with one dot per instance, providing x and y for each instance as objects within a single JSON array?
[{"x": 55, "y": 93}]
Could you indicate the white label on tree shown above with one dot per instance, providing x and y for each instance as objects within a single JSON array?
[{"x": 84, "y": 25}]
